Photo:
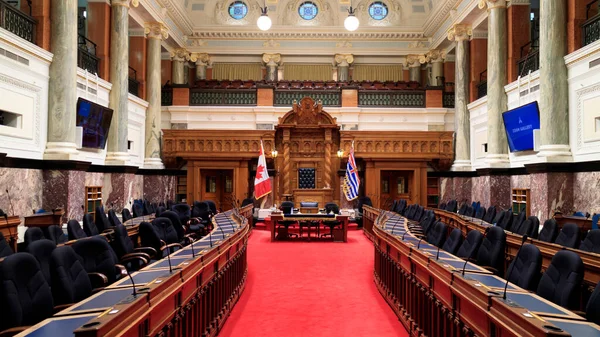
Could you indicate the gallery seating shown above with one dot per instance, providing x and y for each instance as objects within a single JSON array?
[
  {"x": 5, "y": 249},
  {"x": 56, "y": 234},
  {"x": 490, "y": 214},
  {"x": 470, "y": 245},
  {"x": 491, "y": 251},
  {"x": 33, "y": 234},
  {"x": 568, "y": 236},
  {"x": 99, "y": 260},
  {"x": 437, "y": 235},
  {"x": 562, "y": 280},
  {"x": 524, "y": 271},
  {"x": 591, "y": 243},
  {"x": 74, "y": 230},
  {"x": 42, "y": 250},
  {"x": 454, "y": 241},
  {"x": 89, "y": 226},
  {"x": 126, "y": 215},
  {"x": 70, "y": 281},
  {"x": 112, "y": 218},
  {"x": 549, "y": 231}
]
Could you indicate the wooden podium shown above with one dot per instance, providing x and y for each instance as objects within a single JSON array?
[
  {"x": 8, "y": 227},
  {"x": 44, "y": 220}
]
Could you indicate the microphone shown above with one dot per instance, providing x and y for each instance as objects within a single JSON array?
[
  {"x": 437, "y": 255},
  {"x": 168, "y": 252},
  {"x": 12, "y": 209},
  {"x": 124, "y": 272},
  {"x": 192, "y": 241},
  {"x": 467, "y": 261},
  {"x": 419, "y": 243},
  {"x": 510, "y": 271},
  {"x": 12, "y": 239},
  {"x": 210, "y": 239},
  {"x": 222, "y": 233},
  {"x": 404, "y": 235}
]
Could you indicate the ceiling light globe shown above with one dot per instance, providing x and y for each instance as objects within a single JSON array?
[
  {"x": 264, "y": 22},
  {"x": 351, "y": 23}
]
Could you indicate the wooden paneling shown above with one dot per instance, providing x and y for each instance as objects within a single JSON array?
[
  {"x": 181, "y": 96},
  {"x": 165, "y": 71},
  {"x": 137, "y": 61},
  {"x": 434, "y": 99},
  {"x": 349, "y": 98},
  {"x": 264, "y": 96},
  {"x": 98, "y": 19}
]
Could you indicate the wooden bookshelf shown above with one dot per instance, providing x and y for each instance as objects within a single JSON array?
[
  {"x": 93, "y": 199},
  {"x": 433, "y": 192},
  {"x": 520, "y": 201},
  {"x": 181, "y": 193}
]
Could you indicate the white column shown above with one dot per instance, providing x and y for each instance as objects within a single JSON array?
[
  {"x": 62, "y": 93},
  {"x": 436, "y": 58},
  {"x": 179, "y": 56},
  {"x": 201, "y": 60},
  {"x": 554, "y": 90},
  {"x": 497, "y": 155},
  {"x": 155, "y": 32},
  {"x": 343, "y": 62},
  {"x": 414, "y": 67},
  {"x": 461, "y": 34},
  {"x": 271, "y": 61},
  {"x": 117, "y": 153}
]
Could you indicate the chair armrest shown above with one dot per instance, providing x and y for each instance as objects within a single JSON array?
[
  {"x": 108, "y": 231},
  {"x": 120, "y": 269},
  {"x": 577, "y": 312},
  {"x": 147, "y": 250},
  {"x": 493, "y": 270},
  {"x": 62, "y": 307},
  {"x": 171, "y": 246},
  {"x": 420, "y": 236},
  {"x": 98, "y": 279},
  {"x": 97, "y": 290},
  {"x": 13, "y": 331},
  {"x": 133, "y": 257},
  {"x": 142, "y": 255}
]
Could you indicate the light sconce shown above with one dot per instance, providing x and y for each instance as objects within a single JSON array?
[
  {"x": 264, "y": 21},
  {"x": 274, "y": 153},
  {"x": 340, "y": 153},
  {"x": 351, "y": 23}
]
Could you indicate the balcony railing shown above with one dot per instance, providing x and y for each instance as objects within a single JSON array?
[
  {"x": 134, "y": 84},
  {"x": 166, "y": 96},
  {"x": 17, "y": 22},
  {"x": 286, "y": 97},
  {"x": 482, "y": 86},
  {"x": 222, "y": 96},
  {"x": 530, "y": 58},
  {"x": 591, "y": 27},
  {"x": 448, "y": 100},
  {"x": 86, "y": 55},
  {"x": 391, "y": 98}
]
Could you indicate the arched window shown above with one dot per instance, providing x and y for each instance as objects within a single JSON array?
[
  {"x": 238, "y": 10},
  {"x": 378, "y": 10},
  {"x": 308, "y": 10}
]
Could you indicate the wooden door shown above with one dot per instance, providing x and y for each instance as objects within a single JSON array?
[{"x": 217, "y": 185}]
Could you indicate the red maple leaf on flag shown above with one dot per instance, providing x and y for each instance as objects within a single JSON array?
[{"x": 259, "y": 172}]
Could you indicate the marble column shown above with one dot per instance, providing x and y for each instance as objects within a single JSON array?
[
  {"x": 179, "y": 56},
  {"x": 343, "y": 62},
  {"x": 271, "y": 61},
  {"x": 554, "y": 90},
  {"x": 414, "y": 67},
  {"x": 155, "y": 33},
  {"x": 497, "y": 155},
  {"x": 461, "y": 34},
  {"x": 62, "y": 90},
  {"x": 201, "y": 60},
  {"x": 436, "y": 58},
  {"x": 117, "y": 153}
]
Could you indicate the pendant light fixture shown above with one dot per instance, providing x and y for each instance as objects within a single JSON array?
[
  {"x": 351, "y": 23},
  {"x": 264, "y": 21}
]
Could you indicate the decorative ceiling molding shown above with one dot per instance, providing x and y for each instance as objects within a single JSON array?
[
  {"x": 519, "y": 2},
  {"x": 437, "y": 19},
  {"x": 470, "y": 14},
  {"x": 480, "y": 34},
  {"x": 178, "y": 15},
  {"x": 294, "y": 35}
]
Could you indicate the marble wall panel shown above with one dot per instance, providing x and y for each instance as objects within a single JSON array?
[
  {"x": 66, "y": 190},
  {"x": 159, "y": 188},
  {"x": 481, "y": 190},
  {"x": 586, "y": 192},
  {"x": 499, "y": 191},
  {"x": 446, "y": 189},
  {"x": 462, "y": 189},
  {"x": 94, "y": 179},
  {"x": 520, "y": 181},
  {"x": 24, "y": 188}
]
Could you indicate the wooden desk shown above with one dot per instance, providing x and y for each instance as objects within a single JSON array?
[
  {"x": 10, "y": 231},
  {"x": 276, "y": 217},
  {"x": 584, "y": 224},
  {"x": 44, "y": 219},
  {"x": 432, "y": 297}
]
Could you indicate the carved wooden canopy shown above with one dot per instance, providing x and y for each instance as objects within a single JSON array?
[{"x": 307, "y": 114}]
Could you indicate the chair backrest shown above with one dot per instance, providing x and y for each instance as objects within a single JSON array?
[
  {"x": 595, "y": 219},
  {"x": 591, "y": 242},
  {"x": 592, "y": 309},
  {"x": 126, "y": 215},
  {"x": 176, "y": 223},
  {"x": 101, "y": 220},
  {"x": 41, "y": 250},
  {"x": 437, "y": 235},
  {"x": 212, "y": 206},
  {"x": 427, "y": 222},
  {"x": 165, "y": 230},
  {"x": 463, "y": 208},
  {"x": 506, "y": 221},
  {"x": 5, "y": 249},
  {"x": 24, "y": 292},
  {"x": 70, "y": 281},
  {"x": 535, "y": 229},
  {"x": 247, "y": 201},
  {"x": 412, "y": 210},
  {"x": 470, "y": 245},
  {"x": 492, "y": 250},
  {"x": 159, "y": 211},
  {"x": 442, "y": 205},
  {"x": 470, "y": 211},
  {"x": 549, "y": 231},
  {"x": 183, "y": 211},
  {"x": 89, "y": 227},
  {"x": 201, "y": 209},
  {"x": 97, "y": 257},
  {"x": 332, "y": 207},
  {"x": 451, "y": 206},
  {"x": 74, "y": 230},
  {"x": 56, "y": 234},
  {"x": 121, "y": 243},
  {"x": 418, "y": 213},
  {"x": 519, "y": 220},
  {"x": 480, "y": 213},
  {"x": 147, "y": 208},
  {"x": 562, "y": 280},
  {"x": 525, "y": 227},
  {"x": 33, "y": 234},
  {"x": 453, "y": 241},
  {"x": 401, "y": 206},
  {"x": 112, "y": 218},
  {"x": 138, "y": 210},
  {"x": 364, "y": 201},
  {"x": 287, "y": 207},
  {"x": 499, "y": 216},
  {"x": 525, "y": 270},
  {"x": 490, "y": 214},
  {"x": 149, "y": 236},
  {"x": 568, "y": 236}
]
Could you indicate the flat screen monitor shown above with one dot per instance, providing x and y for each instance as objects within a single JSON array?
[
  {"x": 95, "y": 121},
  {"x": 519, "y": 124}
]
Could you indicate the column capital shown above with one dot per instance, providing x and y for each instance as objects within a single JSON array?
[
  {"x": 156, "y": 30},
  {"x": 271, "y": 59},
  {"x": 460, "y": 32},
  {"x": 125, "y": 3},
  {"x": 180, "y": 54},
  {"x": 343, "y": 60},
  {"x": 491, "y": 4},
  {"x": 435, "y": 55},
  {"x": 200, "y": 59},
  {"x": 518, "y": 2},
  {"x": 413, "y": 60}
]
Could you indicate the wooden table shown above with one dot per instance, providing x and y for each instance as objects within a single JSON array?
[
  {"x": 44, "y": 220},
  {"x": 9, "y": 229},
  {"x": 276, "y": 217},
  {"x": 432, "y": 297}
]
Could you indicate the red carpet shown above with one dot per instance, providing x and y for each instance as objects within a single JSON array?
[{"x": 311, "y": 289}]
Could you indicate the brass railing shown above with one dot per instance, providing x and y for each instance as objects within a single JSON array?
[
  {"x": 286, "y": 97},
  {"x": 86, "y": 55},
  {"x": 591, "y": 27},
  {"x": 17, "y": 22},
  {"x": 222, "y": 96},
  {"x": 391, "y": 98}
]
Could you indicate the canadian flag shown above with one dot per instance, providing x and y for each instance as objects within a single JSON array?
[{"x": 262, "y": 183}]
